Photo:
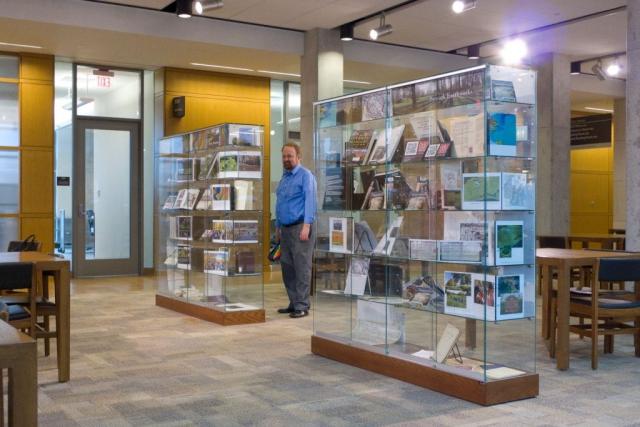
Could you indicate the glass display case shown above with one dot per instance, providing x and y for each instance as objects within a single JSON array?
[
  {"x": 209, "y": 229},
  {"x": 425, "y": 259}
]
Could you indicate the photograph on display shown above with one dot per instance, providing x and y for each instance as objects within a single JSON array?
[
  {"x": 245, "y": 231},
  {"x": 457, "y": 292},
  {"x": 398, "y": 192},
  {"x": 184, "y": 170},
  {"x": 183, "y": 224},
  {"x": 357, "y": 277},
  {"x": 460, "y": 251},
  {"x": 247, "y": 136},
  {"x": 334, "y": 179},
  {"x": 484, "y": 292},
  {"x": 326, "y": 114},
  {"x": 243, "y": 196},
  {"x": 502, "y": 134},
  {"x": 349, "y": 110},
  {"x": 502, "y": 90},
  {"x": 338, "y": 235},
  {"x": 206, "y": 166},
  {"x": 249, "y": 164},
  {"x": 358, "y": 145},
  {"x": 403, "y": 100},
  {"x": 214, "y": 137},
  {"x": 227, "y": 162},
  {"x": 373, "y": 106},
  {"x": 184, "y": 257},
  {"x": 423, "y": 249},
  {"x": 216, "y": 262},
  {"x": 510, "y": 296},
  {"x": 509, "y": 242},
  {"x": 222, "y": 231},
  {"x": 460, "y": 89},
  {"x": 517, "y": 192},
  {"x": 426, "y": 95},
  {"x": 481, "y": 191},
  {"x": 220, "y": 197},
  {"x": 420, "y": 198},
  {"x": 425, "y": 293}
]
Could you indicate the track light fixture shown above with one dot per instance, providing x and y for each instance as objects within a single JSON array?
[
  {"x": 514, "y": 51},
  {"x": 575, "y": 68},
  {"x": 346, "y": 32},
  {"x": 184, "y": 8},
  {"x": 613, "y": 69},
  {"x": 382, "y": 30},
  {"x": 473, "y": 51},
  {"x": 597, "y": 70},
  {"x": 460, "y": 6},
  {"x": 201, "y": 6}
]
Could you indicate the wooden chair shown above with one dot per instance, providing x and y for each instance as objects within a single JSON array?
[
  {"x": 609, "y": 311},
  {"x": 20, "y": 275}
]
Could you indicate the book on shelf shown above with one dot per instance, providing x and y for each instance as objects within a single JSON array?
[
  {"x": 220, "y": 197},
  {"x": 206, "y": 166},
  {"x": 503, "y": 90},
  {"x": 517, "y": 191},
  {"x": 206, "y": 235},
  {"x": 244, "y": 197},
  {"x": 222, "y": 231},
  {"x": 502, "y": 134},
  {"x": 509, "y": 242},
  {"x": 185, "y": 170},
  {"x": 373, "y": 106},
  {"x": 420, "y": 198},
  {"x": 357, "y": 276},
  {"x": 424, "y": 125},
  {"x": 423, "y": 292},
  {"x": 183, "y": 257},
  {"x": 246, "y": 262},
  {"x": 340, "y": 234},
  {"x": 216, "y": 262},
  {"x": 184, "y": 227},
  {"x": 358, "y": 146},
  {"x": 170, "y": 201},
  {"x": 190, "y": 199},
  {"x": 180, "y": 198},
  {"x": 481, "y": 191},
  {"x": 245, "y": 231},
  {"x": 386, "y": 145},
  {"x": 205, "y": 200}
]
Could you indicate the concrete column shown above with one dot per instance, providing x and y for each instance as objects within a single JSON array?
[
  {"x": 633, "y": 126},
  {"x": 554, "y": 144},
  {"x": 322, "y": 74},
  {"x": 619, "y": 163}
]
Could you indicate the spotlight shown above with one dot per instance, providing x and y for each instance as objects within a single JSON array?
[
  {"x": 201, "y": 6},
  {"x": 597, "y": 70},
  {"x": 514, "y": 51},
  {"x": 460, "y": 6},
  {"x": 382, "y": 30},
  {"x": 346, "y": 32},
  {"x": 575, "y": 68},
  {"x": 184, "y": 8},
  {"x": 473, "y": 51},
  {"x": 614, "y": 68}
]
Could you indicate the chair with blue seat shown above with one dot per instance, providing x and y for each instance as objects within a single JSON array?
[{"x": 610, "y": 312}]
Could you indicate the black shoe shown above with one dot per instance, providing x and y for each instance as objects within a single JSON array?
[
  {"x": 285, "y": 310},
  {"x": 298, "y": 313}
]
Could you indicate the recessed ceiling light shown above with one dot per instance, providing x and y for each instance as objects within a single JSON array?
[
  {"x": 473, "y": 51},
  {"x": 604, "y": 110},
  {"x": 360, "y": 82},
  {"x": 575, "y": 68},
  {"x": 184, "y": 8},
  {"x": 225, "y": 67},
  {"x": 346, "y": 32},
  {"x": 460, "y": 6},
  {"x": 28, "y": 46},
  {"x": 279, "y": 73}
]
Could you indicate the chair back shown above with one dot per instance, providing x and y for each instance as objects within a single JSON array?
[
  {"x": 30, "y": 244},
  {"x": 16, "y": 275},
  {"x": 619, "y": 270},
  {"x": 557, "y": 242}
]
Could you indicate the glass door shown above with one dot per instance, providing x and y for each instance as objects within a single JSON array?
[{"x": 106, "y": 198}]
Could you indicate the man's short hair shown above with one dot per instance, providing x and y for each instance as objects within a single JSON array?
[{"x": 292, "y": 144}]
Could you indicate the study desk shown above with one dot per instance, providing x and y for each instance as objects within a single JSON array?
[
  {"x": 59, "y": 269},
  {"x": 563, "y": 260},
  {"x": 607, "y": 241}
]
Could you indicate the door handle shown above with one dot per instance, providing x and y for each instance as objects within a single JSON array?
[{"x": 81, "y": 211}]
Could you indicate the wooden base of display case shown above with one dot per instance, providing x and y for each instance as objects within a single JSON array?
[
  {"x": 225, "y": 318},
  {"x": 483, "y": 393}
]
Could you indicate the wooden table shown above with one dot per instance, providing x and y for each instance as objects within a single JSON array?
[
  {"x": 563, "y": 260},
  {"x": 18, "y": 355},
  {"x": 59, "y": 269},
  {"x": 607, "y": 241}
]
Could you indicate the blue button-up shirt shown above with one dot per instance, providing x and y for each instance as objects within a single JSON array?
[{"x": 296, "y": 197}]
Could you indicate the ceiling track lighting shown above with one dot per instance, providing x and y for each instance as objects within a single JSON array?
[
  {"x": 613, "y": 69},
  {"x": 184, "y": 8},
  {"x": 460, "y": 6},
  {"x": 514, "y": 51},
  {"x": 597, "y": 70},
  {"x": 576, "y": 68},
  {"x": 201, "y": 6},
  {"x": 382, "y": 30},
  {"x": 473, "y": 51},
  {"x": 346, "y": 32}
]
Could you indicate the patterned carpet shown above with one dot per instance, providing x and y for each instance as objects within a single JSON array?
[{"x": 135, "y": 364}]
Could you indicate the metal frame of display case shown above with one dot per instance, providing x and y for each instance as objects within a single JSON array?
[
  {"x": 209, "y": 227},
  {"x": 425, "y": 257}
]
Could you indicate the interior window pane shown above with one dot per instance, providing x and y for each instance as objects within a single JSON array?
[
  {"x": 9, "y": 119},
  {"x": 9, "y": 66},
  {"x": 8, "y": 232},
  {"x": 108, "y": 93},
  {"x": 9, "y": 179}
]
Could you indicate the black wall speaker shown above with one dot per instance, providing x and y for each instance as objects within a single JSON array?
[{"x": 178, "y": 105}]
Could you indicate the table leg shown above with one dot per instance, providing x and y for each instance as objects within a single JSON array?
[
  {"x": 63, "y": 324},
  {"x": 547, "y": 275},
  {"x": 562, "y": 347},
  {"x": 23, "y": 391}
]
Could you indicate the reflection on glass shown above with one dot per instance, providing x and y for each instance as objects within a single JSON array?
[
  {"x": 9, "y": 180},
  {"x": 9, "y": 66},
  {"x": 108, "y": 93},
  {"x": 107, "y": 194},
  {"x": 276, "y": 138},
  {"x": 9, "y": 115},
  {"x": 8, "y": 232},
  {"x": 63, "y": 158},
  {"x": 293, "y": 111}
]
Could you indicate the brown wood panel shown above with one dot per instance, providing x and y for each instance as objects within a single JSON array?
[
  {"x": 36, "y": 115},
  {"x": 234, "y": 86},
  {"x": 36, "y": 67},
  {"x": 36, "y": 182},
  {"x": 211, "y": 315},
  {"x": 491, "y": 393},
  {"x": 42, "y": 227}
]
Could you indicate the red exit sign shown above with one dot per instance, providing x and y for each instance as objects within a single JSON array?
[{"x": 104, "y": 81}]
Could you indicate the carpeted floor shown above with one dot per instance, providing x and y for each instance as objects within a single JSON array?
[{"x": 135, "y": 364}]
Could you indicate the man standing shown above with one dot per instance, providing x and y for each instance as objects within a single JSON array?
[{"x": 295, "y": 213}]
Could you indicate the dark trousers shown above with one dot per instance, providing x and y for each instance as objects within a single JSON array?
[{"x": 295, "y": 261}]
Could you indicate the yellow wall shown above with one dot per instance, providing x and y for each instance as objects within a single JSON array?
[
  {"x": 592, "y": 189},
  {"x": 35, "y": 92},
  {"x": 213, "y": 98}
]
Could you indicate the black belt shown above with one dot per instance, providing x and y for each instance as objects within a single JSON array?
[{"x": 292, "y": 224}]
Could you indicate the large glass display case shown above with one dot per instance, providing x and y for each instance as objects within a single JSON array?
[
  {"x": 209, "y": 223},
  {"x": 424, "y": 264}
]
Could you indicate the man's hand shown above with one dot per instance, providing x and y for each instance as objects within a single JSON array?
[
  {"x": 304, "y": 233},
  {"x": 277, "y": 235}
]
